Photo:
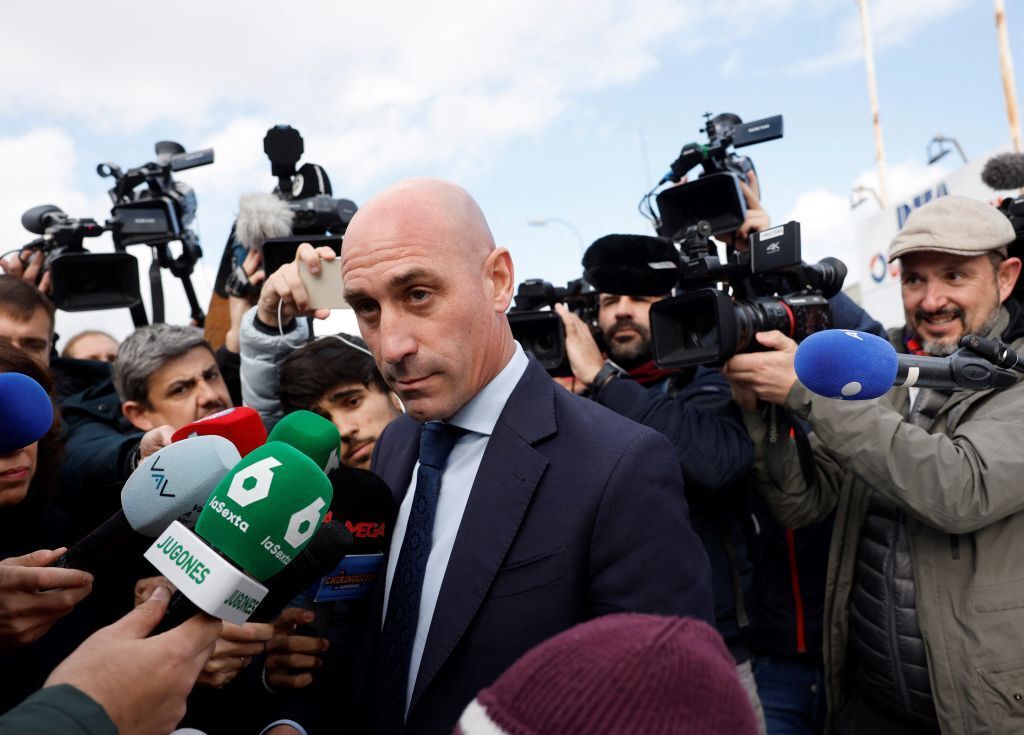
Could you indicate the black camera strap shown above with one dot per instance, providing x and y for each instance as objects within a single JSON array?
[{"x": 780, "y": 428}]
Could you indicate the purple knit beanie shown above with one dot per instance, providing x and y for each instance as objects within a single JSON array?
[{"x": 625, "y": 674}]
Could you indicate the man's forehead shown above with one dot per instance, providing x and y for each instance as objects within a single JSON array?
[
  {"x": 188, "y": 365},
  {"x": 935, "y": 260}
]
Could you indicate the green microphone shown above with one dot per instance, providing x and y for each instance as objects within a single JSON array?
[
  {"x": 262, "y": 515},
  {"x": 255, "y": 522},
  {"x": 313, "y": 435}
]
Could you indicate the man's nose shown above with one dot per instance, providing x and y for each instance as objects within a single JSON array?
[
  {"x": 935, "y": 296},
  {"x": 207, "y": 394},
  {"x": 396, "y": 340}
]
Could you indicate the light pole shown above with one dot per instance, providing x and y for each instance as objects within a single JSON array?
[{"x": 545, "y": 221}]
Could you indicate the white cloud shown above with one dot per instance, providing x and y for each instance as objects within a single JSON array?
[{"x": 892, "y": 22}]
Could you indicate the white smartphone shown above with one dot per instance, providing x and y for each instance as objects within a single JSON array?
[{"x": 324, "y": 289}]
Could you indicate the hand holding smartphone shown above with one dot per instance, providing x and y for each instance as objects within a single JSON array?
[{"x": 324, "y": 288}]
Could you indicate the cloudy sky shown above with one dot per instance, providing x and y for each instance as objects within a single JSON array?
[{"x": 568, "y": 109}]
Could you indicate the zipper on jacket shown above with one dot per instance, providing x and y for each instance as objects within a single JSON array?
[{"x": 954, "y": 545}]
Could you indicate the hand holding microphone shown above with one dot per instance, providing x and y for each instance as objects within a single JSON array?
[{"x": 34, "y": 596}]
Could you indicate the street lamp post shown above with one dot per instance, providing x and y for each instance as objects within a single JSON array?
[{"x": 545, "y": 221}]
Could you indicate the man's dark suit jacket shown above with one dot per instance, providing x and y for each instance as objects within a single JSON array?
[{"x": 575, "y": 512}]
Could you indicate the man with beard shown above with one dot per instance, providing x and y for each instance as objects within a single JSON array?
[
  {"x": 923, "y": 623},
  {"x": 694, "y": 409}
]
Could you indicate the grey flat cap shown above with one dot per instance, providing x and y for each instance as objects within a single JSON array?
[{"x": 953, "y": 224}]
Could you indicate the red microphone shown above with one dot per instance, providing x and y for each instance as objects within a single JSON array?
[{"x": 242, "y": 426}]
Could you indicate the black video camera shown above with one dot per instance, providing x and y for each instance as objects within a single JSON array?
[
  {"x": 319, "y": 218},
  {"x": 539, "y": 330},
  {"x": 82, "y": 281},
  {"x": 768, "y": 288},
  {"x": 152, "y": 208},
  {"x": 715, "y": 197}
]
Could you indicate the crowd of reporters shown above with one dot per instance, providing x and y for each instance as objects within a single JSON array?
[{"x": 865, "y": 555}]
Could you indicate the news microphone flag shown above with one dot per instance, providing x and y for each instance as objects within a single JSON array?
[
  {"x": 258, "y": 518},
  {"x": 242, "y": 426},
  {"x": 845, "y": 364},
  {"x": 26, "y": 413},
  {"x": 172, "y": 484},
  {"x": 313, "y": 435}
]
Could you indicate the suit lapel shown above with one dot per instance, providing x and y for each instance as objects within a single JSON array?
[{"x": 509, "y": 473}]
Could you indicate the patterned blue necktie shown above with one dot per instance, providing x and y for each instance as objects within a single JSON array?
[{"x": 396, "y": 638}]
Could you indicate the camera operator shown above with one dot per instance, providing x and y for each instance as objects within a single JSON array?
[
  {"x": 693, "y": 408},
  {"x": 922, "y": 627}
]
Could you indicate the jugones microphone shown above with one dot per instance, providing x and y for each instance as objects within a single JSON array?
[
  {"x": 170, "y": 485},
  {"x": 26, "y": 412},
  {"x": 849, "y": 365},
  {"x": 242, "y": 426},
  {"x": 313, "y": 435},
  {"x": 255, "y": 522}
]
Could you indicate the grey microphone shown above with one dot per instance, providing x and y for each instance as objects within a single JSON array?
[{"x": 170, "y": 485}]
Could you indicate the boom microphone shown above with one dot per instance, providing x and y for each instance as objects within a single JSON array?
[
  {"x": 849, "y": 365},
  {"x": 171, "y": 484},
  {"x": 325, "y": 551},
  {"x": 26, "y": 413},
  {"x": 262, "y": 217},
  {"x": 1005, "y": 171},
  {"x": 255, "y": 522},
  {"x": 313, "y": 435},
  {"x": 242, "y": 426}
]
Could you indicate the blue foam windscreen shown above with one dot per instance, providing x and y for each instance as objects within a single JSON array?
[
  {"x": 25, "y": 411},
  {"x": 844, "y": 364}
]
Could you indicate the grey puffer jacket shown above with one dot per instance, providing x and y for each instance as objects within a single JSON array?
[
  {"x": 961, "y": 485},
  {"x": 262, "y": 351}
]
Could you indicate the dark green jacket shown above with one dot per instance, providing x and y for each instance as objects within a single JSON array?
[
  {"x": 962, "y": 487},
  {"x": 57, "y": 710}
]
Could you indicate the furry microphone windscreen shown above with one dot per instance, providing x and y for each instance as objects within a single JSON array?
[
  {"x": 1005, "y": 171},
  {"x": 260, "y": 218},
  {"x": 633, "y": 265}
]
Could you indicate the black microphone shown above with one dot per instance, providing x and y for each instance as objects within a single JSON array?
[
  {"x": 1005, "y": 171},
  {"x": 691, "y": 155},
  {"x": 325, "y": 552},
  {"x": 635, "y": 265}
]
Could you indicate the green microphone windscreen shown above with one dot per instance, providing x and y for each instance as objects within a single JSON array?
[
  {"x": 262, "y": 515},
  {"x": 313, "y": 435}
]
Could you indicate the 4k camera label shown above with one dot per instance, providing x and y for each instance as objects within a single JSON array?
[{"x": 204, "y": 576}]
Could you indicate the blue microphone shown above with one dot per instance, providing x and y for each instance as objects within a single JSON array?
[
  {"x": 848, "y": 365},
  {"x": 856, "y": 366},
  {"x": 26, "y": 412}
]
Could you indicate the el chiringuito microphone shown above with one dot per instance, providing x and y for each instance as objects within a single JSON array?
[
  {"x": 322, "y": 555},
  {"x": 849, "y": 365},
  {"x": 26, "y": 413},
  {"x": 313, "y": 435},
  {"x": 242, "y": 426},
  {"x": 256, "y": 521},
  {"x": 171, "y": 484}
]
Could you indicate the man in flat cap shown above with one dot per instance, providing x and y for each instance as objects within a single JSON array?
[{"x": 924, "y": 612}]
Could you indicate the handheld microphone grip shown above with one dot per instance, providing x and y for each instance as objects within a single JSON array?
[{"x": 98, "y": 545}]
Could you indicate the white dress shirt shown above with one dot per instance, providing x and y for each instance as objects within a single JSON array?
[{"x": 478, "y": 418}]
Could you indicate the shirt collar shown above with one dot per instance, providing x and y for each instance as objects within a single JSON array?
[{"x": 481, "y": 413}]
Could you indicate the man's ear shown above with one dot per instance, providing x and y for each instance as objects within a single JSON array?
[
  {"x": 137, "y": 414},
  {"x": 1009, "y": 271},
  {"x": 500, "y": 275}
]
